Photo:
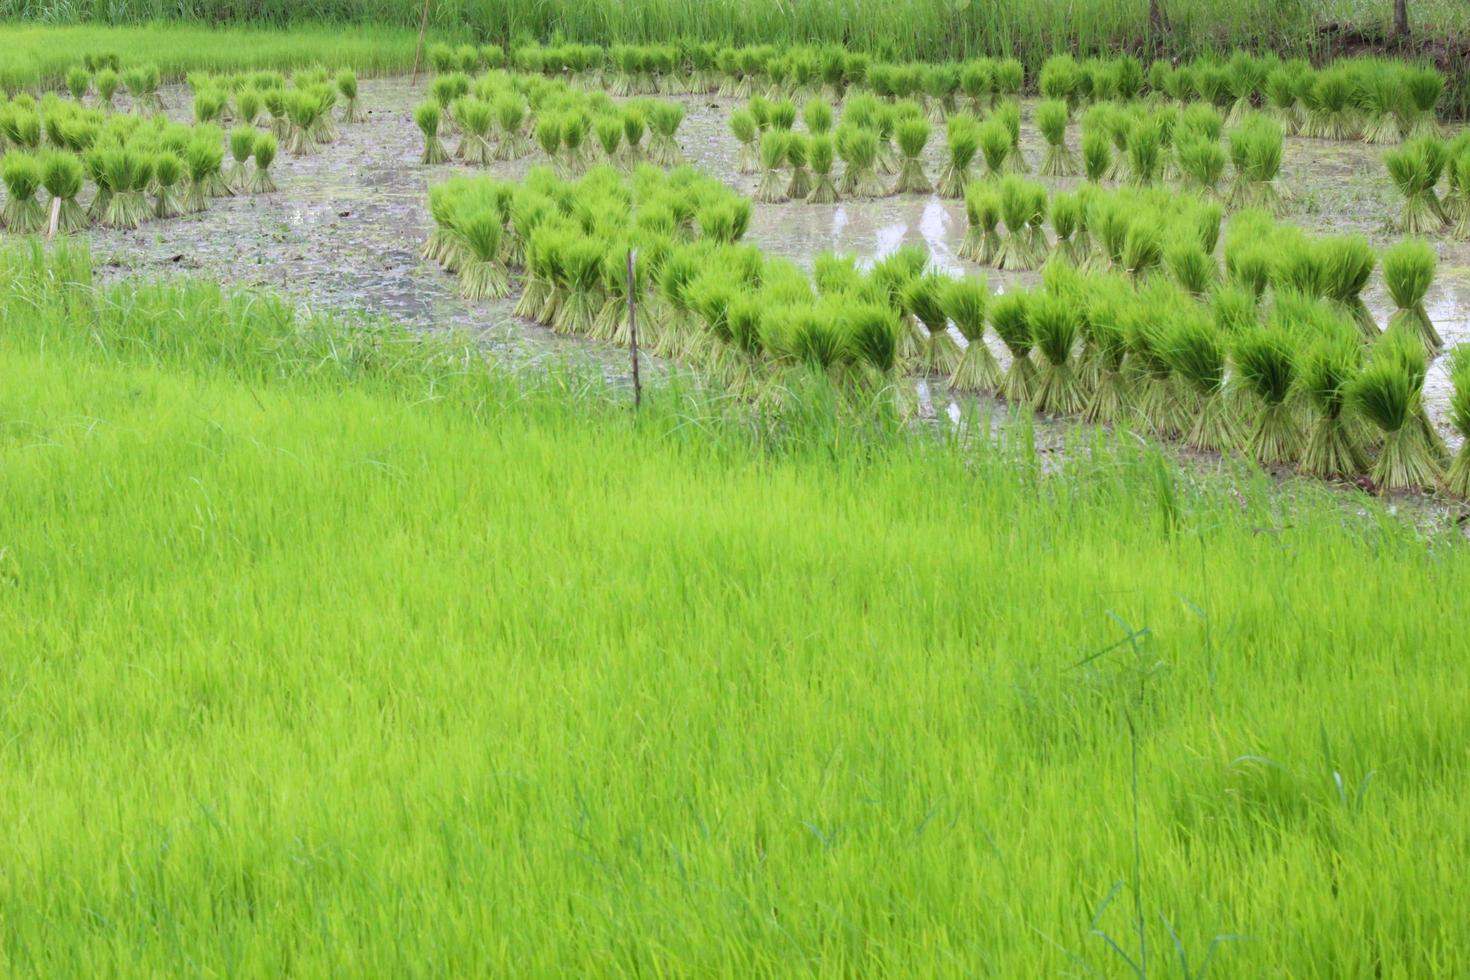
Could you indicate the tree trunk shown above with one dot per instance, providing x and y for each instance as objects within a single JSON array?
[{"x": 1400, "y": 18}]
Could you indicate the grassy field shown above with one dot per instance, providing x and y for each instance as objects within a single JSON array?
[
  {"x": 331, "y": 652},
  {"x": 32, "y": 53}
]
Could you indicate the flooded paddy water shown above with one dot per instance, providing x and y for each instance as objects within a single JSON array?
[{"x": 344, "y": 232}]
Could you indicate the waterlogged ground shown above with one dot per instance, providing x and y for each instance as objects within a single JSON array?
[{"x": 345, "y": 230}]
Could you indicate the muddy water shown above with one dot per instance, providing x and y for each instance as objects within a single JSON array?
[{"x": 345, "y": 230}]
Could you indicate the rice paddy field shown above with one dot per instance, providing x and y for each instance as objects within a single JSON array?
[{"x": 1032, "y": 542}]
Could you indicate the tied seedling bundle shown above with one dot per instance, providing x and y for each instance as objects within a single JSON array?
[
  {"x": 347, "y": 89},
  {"x": 1415, "y": 169},
  {"x": 62, "y": 175},
  {"x": 1051, "y": 119},
  {"x": 858, "y": 148},
  {"x": 22, "y": 213},
  {"x": 242, "y": 148},
  {"x": 912, "y": 135},
  {"x": 963, "y": 142},
  {"x": 1408, "y": 271},
  {"x": 964, "y": 302},
  {"x": 1388, "y": 393},
  {"x": 427, "y": 116},
  {"x": 983, "y": 214}
]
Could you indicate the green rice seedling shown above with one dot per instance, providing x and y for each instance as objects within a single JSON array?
[
  {"x": 859, "y": 151},
  {"x": 1201, "y": 164},
  {"x": 1009, "y": 77},
  {"x": 22, "y": 213},
  {"x": 913, "y": 137},
  {"x": 1423, "y": 86},
  {"x": 1347, "y": 263},
  {"x": 1127, "y": 77},
  {"x": 1143, "y": 247},
  {"x": 1145, "y": 153},
  {"x": 128, "y": 177},
  {"x": 743, "y": 128},
  {"x": 1058, "y": 78},
  {"x": 265, "y": 155},
  {"x": 1382, "y": 96},
  {"x": 441, "y": 59},
  {"x": 821, "y": 151},
  {"x": 105, "y": 83},
  {"x": 274, "y": 101},
  {"x": 62, "y": 176},
  {"x": 609, "y": 132},
  {"x": 940, "y": 82},
  {"x": 1415, "y": 169},
  {"x": 548, "y": 133},
  {"x": 1009, "y": 115},
  {"x": 1388, "y": 393},
  {"x": 965, "y": 300},
  {"x": 1192, "y": 267},
  {"x": 1329, "y": 369},
  {"x": 775, "y": 145},
  {"x": 1335, "y": 118},
  {"x": 1408, "y": 272},
  {"x": 817, "y": 114},
  {"x": 1197, "y": 353},
  {"x": 982, "y": 236},
  {"x": 976, "y": 82},
  {"x": 248, "y": 106},
  {"x": 1055, "y": 330},
  {"x": 1457, "y": 478},
  {"x": 1281, "y": 99},
  {"x": 78, "y": 82},
  {"x": 1199, "y": 120},
  {"x": 884, "y": 121},
  {"x": 476, "y": 119},
  {"x": 202, "y": 161},
  {"x": 209, "y": 105},
  {"x": 92, "y": 162},
  {"x": 1256, "y": 148},
  {"x": 576, "y": 125},
  {"x": 1066, "y": 220},
  {"x": 872, "y": 336},
  {"x": 1097, "y": 155},
  {"x": 1011, "y": 318},
  {"x": 1017, "y": 249},
  {"x": 347, "y": 89},
  {"x": 1051, "y": 120},
  {"x": 583, "y": 262},
  {"x": 634, "y": 126},
  {"x": 480, "y": 273},
  {"x": 510, "y": 119},
  {"x": 1156, "y": 398},
  {"x": 663, "y": 147},
  {"x": 779, "y": 114},
  {"x": 303, "y": 112},
  {"x": 1246, "y": 75},
  {"x": 995, "y": 147},
  {"x": 1233, "y": 308},
  {"x": 168, "y": 173},
  {"x": 1266, "y": 362},
  {"x": 242, "y": 148},
  {"x": 1456, "y": 202},
  {"x": 427, "y": 116},
  {"x": 922, "y": 301},
  {"x": 800, "y": 185},
  {"x": 963, "y": 142},
  {"x": 1108, "y": 400}
]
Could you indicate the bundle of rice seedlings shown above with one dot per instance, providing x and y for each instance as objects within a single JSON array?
[
  {"x": 872, "y": 336},
  {"x": 964, "y": 301},
  {"x": 1281, "y": 99},
  {"x": 510, "y": 119},
  {"x": 1233, "y": 308},
  {"x": 1145, "y": 152},
  {"x": 209, "y": 105},
  {"x": 1197, "y": 353},
  {"x": 303, "y": 112},
  {"x": 1058, "y": 79},
  {"x": 275, "y": 104},
  {"x": 635, "y": 125},
  {"x": 475, "y": 121},
  {"x": 1066, "y": 219},
  {"x": 480, "y": 273},
  {"x": 775, "y": 146},
  {"x": 913, "y": 136},
  {"x": 1457, "y": 200},
  {"x": 105, "y": 82},
  {"x": 62, "y": 176},
  {"x": 884, "y": 121},
  {"x": 1127, "y": 77},
  {"x": 1245, "y": 77},
  {"x": 575, "y": 127},
  {"x": 1388, "y": 392},
  {"x": 1018, "y": 249},
  {"x": 347, "y": 88},
  {"x": 1266, "y": 361},
  {"x": 663, "y": 148},
  {"x": 1256, "y": 147},
  {"x": 976, "y": 79},
  {"x": 1329, "y": 368},
  {"x": 983, "y": 213},
  {"x": 1424, "y": 86},
  {"x": 1009, "y": 115},
  {"x": 548, "y": 134},
  {"x": 801, "y": 179},
  {"x": 202, "y": 161},
  {"x": 963, "y": 139},
  {"x": 922, "y": 301},
  {"x": 1097, "y": 155},
  {"x": 1457, "y": 479},
  {"x": 743, "y": 128},
  {"x": 940, "y": 82},
  {"x": 128, "y": 174},
  {"x": 1408, "y": 271},
  {"x": 1202, "y": 164},
  {"x": 817, "y": 114},
  {"x": 247, "y": 106},
  {"x": 859, "y": 151},
  {"x": 78, "y": 81},
  {"x": 1346, "y": 264},
  {"x": 1416, "y": 168},
  {"x": 1190, "y": 265},
  {"x": 427, "y": 116},
  {"x": 583, "y": 263},
  {"x": 1156, "y": 397},
  {"x": 92, "y": 162},
  {"x": 167, "y": 170},
  {"x": 995, "y": 147},
  {"x": 1143, "y": 247},
  {"x": 1334, "y": 117},
  {"x": 1051, "y": 120},
  {"x": 1108, "y": 401},
  {"x": 1011, "y": 317},
  {"x": 1055, "y": 328},
  {"x": 242, "y": 148},
  {"x": 22, "y": 213},
  {"x": 1382, "y": 96},
  {"x": 823, "y": 190}
]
